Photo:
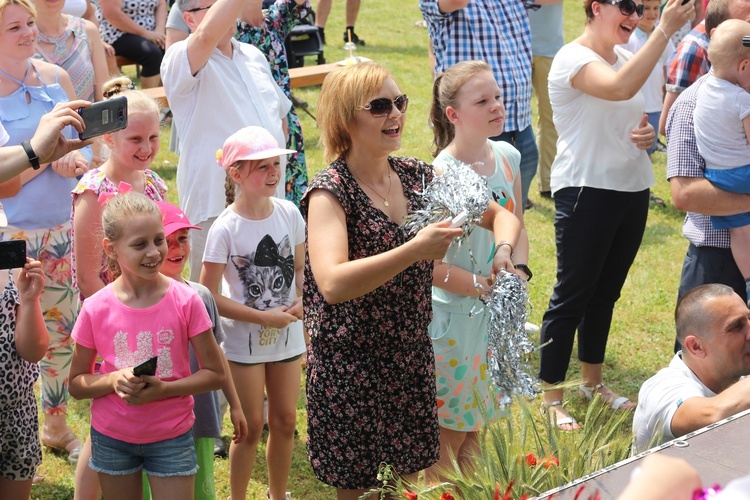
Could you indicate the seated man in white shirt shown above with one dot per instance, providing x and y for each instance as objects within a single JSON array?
[{"x": 702, "y": 383}]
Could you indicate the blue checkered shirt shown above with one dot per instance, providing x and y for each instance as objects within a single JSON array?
[
  {"x": 683, "y": 160},
  {"x": 496, "y": 32}
]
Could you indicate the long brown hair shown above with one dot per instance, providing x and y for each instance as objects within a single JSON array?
[{"x": 444, "y": 93}]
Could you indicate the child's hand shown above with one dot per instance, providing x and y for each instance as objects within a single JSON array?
[
  {"x": 151, "y": 390},
  {"x": 503, "y": 260},
  {"x": 239, "y": 423},
  {"x": 31, "y": 281},
  {"x": 296, "y": 308},
  {"x": 71, "y": 165},
  {"x": 278, "y": 317},
  {"x": 126, "y": 384}
]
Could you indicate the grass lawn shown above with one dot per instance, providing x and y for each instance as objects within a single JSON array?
[{"x": 642, "y": 332}]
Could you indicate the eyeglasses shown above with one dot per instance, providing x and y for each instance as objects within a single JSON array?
[
  {"x": 627, "y": 7},
  {"x": 198, "y": 9},
  {"x": 383, "y": 106}
]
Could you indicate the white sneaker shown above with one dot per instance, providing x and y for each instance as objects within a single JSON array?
[{"x": 531, "y": 329}]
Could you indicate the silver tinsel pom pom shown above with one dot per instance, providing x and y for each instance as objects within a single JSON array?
[
  {"x": 458, "y": 189},
  {"x": 508, "y": 344}
]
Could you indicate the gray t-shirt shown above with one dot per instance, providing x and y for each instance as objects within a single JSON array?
[{"x": 206, "y": 407}]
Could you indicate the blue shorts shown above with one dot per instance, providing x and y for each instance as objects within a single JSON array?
[
  {"x": 734, "y": 180},
  {"x": 171, "y": 457}
]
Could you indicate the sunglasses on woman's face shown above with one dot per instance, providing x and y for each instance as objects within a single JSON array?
[
  {"x": 383, "y": 106},
  {"x": 627, "y": 7}
]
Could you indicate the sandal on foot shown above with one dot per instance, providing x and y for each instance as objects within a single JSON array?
[
  {"x": 616, "y": 403},
  {"x": 69, "y": 444},
  {"x": 656, "y": 200},
  {"x": 560, "y": 422}
]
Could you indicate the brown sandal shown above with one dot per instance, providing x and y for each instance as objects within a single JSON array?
[{"x": 69, "y": 444}]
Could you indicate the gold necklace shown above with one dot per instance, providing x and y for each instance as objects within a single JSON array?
[{"x": 385, "y": 198}]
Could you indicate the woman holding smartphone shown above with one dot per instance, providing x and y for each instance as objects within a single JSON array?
[
  {"x": 600, "y": 181},
  {"x": 40, "y": 210}
]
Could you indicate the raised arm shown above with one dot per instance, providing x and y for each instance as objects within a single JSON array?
[
  {"x": 209, "y": 31},
  {"x": 600, "y": 80},
  {"x": 340, "y": 279},
  {"x": 48, "y": 142}
]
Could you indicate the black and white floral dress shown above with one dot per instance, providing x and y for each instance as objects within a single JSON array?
[
  {"x": 370, "y": 366},
  {"x": 20, "y": 451}
]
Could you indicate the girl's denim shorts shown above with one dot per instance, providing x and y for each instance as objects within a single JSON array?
[{"x": 171, "y": 457}]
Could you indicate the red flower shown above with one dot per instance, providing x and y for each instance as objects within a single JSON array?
[
  {"x": 550, "y": 461},
  {"x": 410, "y": 495},
  {"x": 530, "y": 460},
  {"x": 446, "y": 496},
  {"x": 496, "y": 496}
]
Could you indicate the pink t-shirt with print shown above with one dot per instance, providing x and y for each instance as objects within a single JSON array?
[{"x": 125, "y": 337}]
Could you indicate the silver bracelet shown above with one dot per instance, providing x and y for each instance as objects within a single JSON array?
[{"x": 666, "y": 37}]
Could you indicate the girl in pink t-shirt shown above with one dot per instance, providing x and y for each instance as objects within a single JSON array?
[{"x": 142, "y": 422}]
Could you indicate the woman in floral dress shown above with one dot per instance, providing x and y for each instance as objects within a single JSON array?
[
  {"x": 267, "y": 29},
  {"x": 367, "y": 303}
]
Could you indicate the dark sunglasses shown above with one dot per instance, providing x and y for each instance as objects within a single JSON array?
[
  {"x": 198, "y": 9},
  {"x": 627, "y": 7},
  {"x": 383, "y": 106}
]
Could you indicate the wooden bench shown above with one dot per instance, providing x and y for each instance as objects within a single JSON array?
[{"x": 305, "y": 76}]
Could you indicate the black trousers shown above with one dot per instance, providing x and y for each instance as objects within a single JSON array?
[
  {"x": 598, "y": 233},
  {"x": 138, "y": 49}
]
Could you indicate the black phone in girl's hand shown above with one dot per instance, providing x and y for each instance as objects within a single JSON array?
[
  {"x": 12, "y": 254},
  {"x": 148, "y": 367}
]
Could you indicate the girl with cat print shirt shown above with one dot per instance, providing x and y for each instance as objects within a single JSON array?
[
  {"x": 253, "y": 264},
  {"x": 142, "y": 422}
]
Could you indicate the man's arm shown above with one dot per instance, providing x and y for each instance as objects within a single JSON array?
[
  {"x": 218, "y": 20},
  {"x": 697, "y": 194},
  {"x": 698, "y": 412},
  {"x": 48, "y": 142}
]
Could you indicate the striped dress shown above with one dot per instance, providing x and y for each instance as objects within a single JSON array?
[{"x": 76, "y": 60}]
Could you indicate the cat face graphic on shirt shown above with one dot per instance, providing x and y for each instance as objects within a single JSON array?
[{"x": 266, "y": 274}]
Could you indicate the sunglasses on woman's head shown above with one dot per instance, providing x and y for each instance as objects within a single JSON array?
[
  {"x": 383, "y": 106},
  {"x": 627, "y": 7}
]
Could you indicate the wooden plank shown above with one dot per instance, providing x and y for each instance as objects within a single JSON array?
[
  {"x": 305, "y": 76},
  {"x": 157, "y": 93}
]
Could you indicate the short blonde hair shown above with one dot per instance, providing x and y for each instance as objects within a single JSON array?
[
  {"x": 342, "y": 92},
  {"x": 725, "y": 48},
  {"x": 26, "y": 4}
]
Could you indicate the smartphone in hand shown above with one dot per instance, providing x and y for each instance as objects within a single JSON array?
[
  {"x": 104, "y": 117},
  {"x": 148, "y": 367},
  {"x": 12, "y": 254}
]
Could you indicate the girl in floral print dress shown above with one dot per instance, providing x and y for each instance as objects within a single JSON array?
[
  {"x": 132, "y": 150},
  {"x": 267, "y": 29}
]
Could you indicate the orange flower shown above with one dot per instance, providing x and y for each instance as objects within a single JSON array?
[
  {"x": 410, "y": 495},
  {"x": 530, "y": 460},
  {"x": 550, "y": 461}
]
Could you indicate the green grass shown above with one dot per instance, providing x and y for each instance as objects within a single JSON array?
[{"x": 642, "y": 332}]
